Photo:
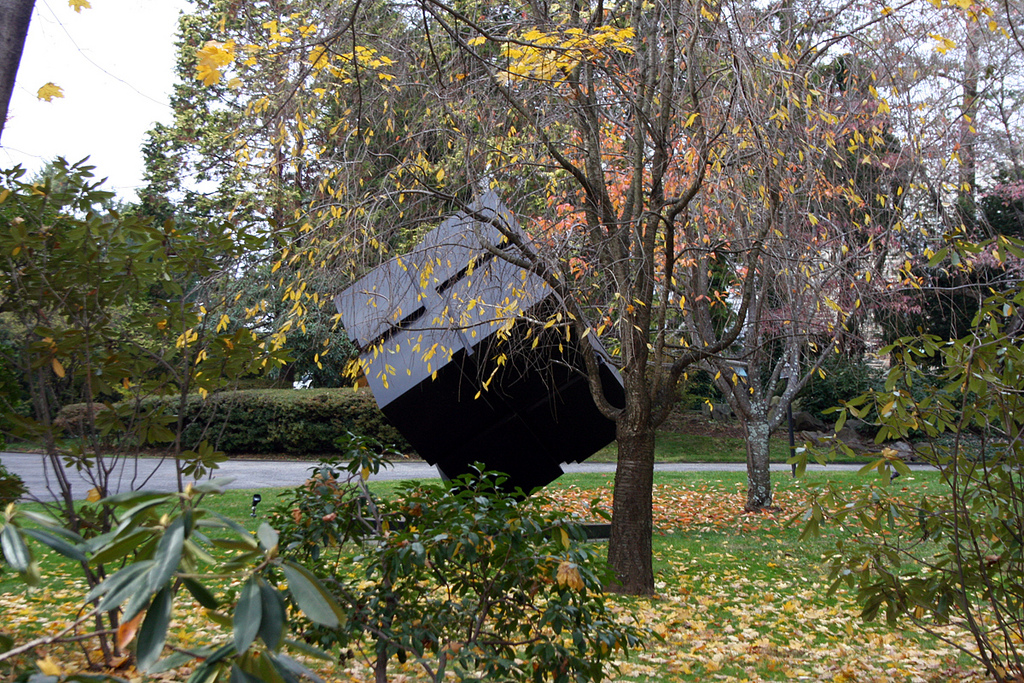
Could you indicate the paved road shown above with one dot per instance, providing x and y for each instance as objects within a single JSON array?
[{"x": 158, "y": 475}]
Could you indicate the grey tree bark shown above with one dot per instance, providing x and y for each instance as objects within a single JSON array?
[{"x": 14, "y": 19}]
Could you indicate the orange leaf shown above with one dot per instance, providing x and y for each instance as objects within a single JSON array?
[{"x": 127, "y": 630}]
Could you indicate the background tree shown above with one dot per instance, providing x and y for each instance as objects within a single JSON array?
[
  {"x": 655, "y": 172},
  {"x": 126, "y": 318}
]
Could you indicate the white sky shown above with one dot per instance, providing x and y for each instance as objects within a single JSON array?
[{"x": 115, "y": 63}]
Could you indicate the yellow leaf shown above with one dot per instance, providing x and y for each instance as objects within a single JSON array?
[
  {"x": 49, "y": 91},
  {"x": 58, "y": 369},
  {"x": 94, "y": 495},
  {"x": 213, "y": 57},
  {"x": 365, "y": 473},
  {"x": 49, "y": 667},
  {"x": 79, "y": 5},
  {"x": 565, "y": 538},
  {"x": 569, "y": 575}
]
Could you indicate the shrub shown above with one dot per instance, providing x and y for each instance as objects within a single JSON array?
[
  {"x": 464, "y": 579},
  {"x": 954, "y": 557},
  {"x": 845, "y": 378},
  {"x": 297, "y": 422},
  {"x": 11, "y": 487}
]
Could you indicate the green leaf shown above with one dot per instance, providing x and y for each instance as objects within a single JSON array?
[
  {"x": 240, "y": 676},
  {"x": 240, "y": 561},
  {"x": 233, "y": 543},
  {"x": 172, "y": 661},
  {"x": 311, "y": 596},
  {"x": 114, "y": 586},
  {"x": 268, "y": 536},
  {"x": 288, "y": 664},
  {"x": 841, "y": 422},
  {"x": 121, "y": 547},
  {"x": 202, "y": 595},
  {"x": 168, "y": 554},
  {"x": 248, "y": 614},
  {"x": 236, "y": 527},
  {"x": 264, "y": 669},
  {"x": 57, "y": 543},
  {"x": 873, "y": 465},
  {"x": 136, "y": 497},
  {"x": 222, "y": 652},
  {"x": 45, "y": 520},
  {"x": 938, "y": 257},
  {"x": 219, "y": 618},
  {"x": 14, "y": 549},
  {"x": 213, "y": 485},
  {"x": 275, "y": 618},
  {"x": 196, "y": 552},
  {"x": 127, "y": 517},
  {"x": 136, "y": 592},
  {"x": 308, "y": 650},
  {"x": 153, "y": 632},
  {"x": 900, "y": 466}
]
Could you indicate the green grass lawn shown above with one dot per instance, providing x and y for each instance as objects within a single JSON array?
[
  {"x": 740, "y": 597},
  {"x": 681, "y": 447}
]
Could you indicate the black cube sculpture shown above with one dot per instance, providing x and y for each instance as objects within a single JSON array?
[{"x": 456, "y": 354}]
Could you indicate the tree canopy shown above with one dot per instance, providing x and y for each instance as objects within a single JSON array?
[{"x": 729, "y": 187}]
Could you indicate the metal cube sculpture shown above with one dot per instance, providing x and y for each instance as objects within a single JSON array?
[{"x": 456, "y": 367}]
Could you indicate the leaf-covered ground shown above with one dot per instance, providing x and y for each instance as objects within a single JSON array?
[{"x": 739, "y": 599}]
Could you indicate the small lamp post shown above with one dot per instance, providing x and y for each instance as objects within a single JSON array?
[{"x": 256, "y": 498}]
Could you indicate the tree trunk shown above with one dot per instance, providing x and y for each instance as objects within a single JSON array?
[
  {"x": 759, "y": 481},
  {"x": 629, "y": 549},
  {"x": 14, "y": 19}
]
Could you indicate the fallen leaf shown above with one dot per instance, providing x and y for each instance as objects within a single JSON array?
[{"x": 49, "y": 667}]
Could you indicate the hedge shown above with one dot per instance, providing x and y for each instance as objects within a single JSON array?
[{"x": 274, "y": 421}]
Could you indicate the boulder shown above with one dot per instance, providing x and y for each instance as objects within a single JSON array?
[{"x": 805, "y": 422}]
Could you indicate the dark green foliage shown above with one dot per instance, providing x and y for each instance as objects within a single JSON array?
[
  {"x": 462, "y": 578},
  {"x": 465, "y": 581},
  {"x": 696, "y": 389},
  {"x": 945, "y": 307},
  {"x": 293, "y": 421},
  {"x": 845, "y": 378},
  {"x": 11, "y": 487},
  {"x": 12, "y": 391},
  {"x": 956, "y": 557},
  {"x": 331, "y": 507},
  {"x": 1003, "y": 205}
]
